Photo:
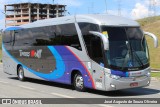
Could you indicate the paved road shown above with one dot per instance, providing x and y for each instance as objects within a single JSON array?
[{"x": 11, "y": 87}]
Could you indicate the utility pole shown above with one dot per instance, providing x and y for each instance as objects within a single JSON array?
[
  {"x": 152, "y": 8},
  {"x": 91, "y": 8},
  {"x": 119, "y": 7},
  {"x": 106, "y": 7}
]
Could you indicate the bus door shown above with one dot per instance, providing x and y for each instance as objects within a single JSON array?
[{"x": 96, "y": 54}]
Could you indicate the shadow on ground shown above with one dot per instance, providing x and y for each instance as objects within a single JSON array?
[{"x": 120, "y": 93}]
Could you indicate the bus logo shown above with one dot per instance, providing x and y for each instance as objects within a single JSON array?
[
  {"x": 36, "y": 54},
  {"x": 32, "y": 53}
]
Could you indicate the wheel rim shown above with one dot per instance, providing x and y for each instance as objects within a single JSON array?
[
  {"x": 79, "y": 81},
  {"x": 20, "y": 73}
]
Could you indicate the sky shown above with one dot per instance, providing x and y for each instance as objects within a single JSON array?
[{"x": 132, "y": 9}]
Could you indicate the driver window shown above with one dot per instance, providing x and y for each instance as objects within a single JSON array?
[
  {"x": 93, "y": 43},
  {"x": 94, "y": 48}
]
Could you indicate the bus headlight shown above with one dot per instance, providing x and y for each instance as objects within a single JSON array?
[
  {"x": 115, "y": 77},
  {"x": 148, "y": 74}
]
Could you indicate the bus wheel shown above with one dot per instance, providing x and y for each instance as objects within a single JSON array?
[
  {"x": 21, "y": 73},
  {"x": 79, "y": 82}
]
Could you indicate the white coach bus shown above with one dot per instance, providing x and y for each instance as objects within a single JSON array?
[{"x": 97, "y": 51}]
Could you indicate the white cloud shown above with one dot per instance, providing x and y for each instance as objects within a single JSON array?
[{"x": 139, "y": 11}]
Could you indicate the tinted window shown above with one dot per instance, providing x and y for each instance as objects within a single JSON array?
[
  {"x": 49, "y": 35},
  {"x": 46, "y": 36},
  {"x": 70, "y": 36},
  {"x": 7, "y": 37},
  {"x": 93, "y": 43},
  {"x": 23, "y": 37},
  {"x": 127, "y": 48}
]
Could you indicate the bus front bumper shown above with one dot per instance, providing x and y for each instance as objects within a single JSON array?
[{"x": 125, "y": 83}]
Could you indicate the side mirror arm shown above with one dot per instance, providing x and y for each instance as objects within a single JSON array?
[
  {"x": 154, "y": 38},
  {"x": 103, "y": 37}
]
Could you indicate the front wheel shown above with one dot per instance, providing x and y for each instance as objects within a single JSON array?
[
  {"x": 79, "y": 82},
  {"x": 21, "y": 74}
]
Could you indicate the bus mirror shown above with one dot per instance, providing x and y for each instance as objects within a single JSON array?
[
  {"x": 154, "y": 38},
  {"x": 103, "y": 37}
]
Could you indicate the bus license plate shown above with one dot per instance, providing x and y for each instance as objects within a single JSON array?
[{"x": 135, "y": 84}]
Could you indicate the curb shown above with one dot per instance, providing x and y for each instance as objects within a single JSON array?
[{"x": 155, "y": 70}]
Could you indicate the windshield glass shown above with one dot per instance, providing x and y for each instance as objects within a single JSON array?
[{"x": 127, "y": 48}]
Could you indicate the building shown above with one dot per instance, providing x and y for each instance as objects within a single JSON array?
[{"x": 23, "y": 13}]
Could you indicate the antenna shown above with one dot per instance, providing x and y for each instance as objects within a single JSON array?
[{"x": 119, "y": 7}]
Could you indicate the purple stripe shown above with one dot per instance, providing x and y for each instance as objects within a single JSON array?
[{"x": 72, "y": 63}]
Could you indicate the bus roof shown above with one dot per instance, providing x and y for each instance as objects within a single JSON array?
[{"x": 101, "y": 19}]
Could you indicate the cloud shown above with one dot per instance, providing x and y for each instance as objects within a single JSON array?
[{"x": 139, "y": 11}]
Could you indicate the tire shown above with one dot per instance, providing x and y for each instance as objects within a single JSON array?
[
  {"x": 21, "y": 74},
  {"x": 79, "y": 82}
]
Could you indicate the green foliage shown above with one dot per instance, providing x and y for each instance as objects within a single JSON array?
[{"x": 155, "y": 74}]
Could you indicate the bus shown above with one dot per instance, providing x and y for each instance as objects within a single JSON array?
[{"x": 97, "y": 51}]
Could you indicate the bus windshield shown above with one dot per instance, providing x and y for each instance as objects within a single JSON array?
[{"x": 127, "y": 48}]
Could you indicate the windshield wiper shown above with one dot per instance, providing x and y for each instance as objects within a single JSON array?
[{"x": 137, "y": 57}]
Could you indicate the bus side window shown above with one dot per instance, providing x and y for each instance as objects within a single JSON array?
[
  {"x": 93, "y": 43},
  {"x": 69, "y": 36},
  {"x": 21, "y": 38},
  {"x": 96, "y": 49},
  {"x": 7, "y": 38},
  {"x": 48, "y": 35}
]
